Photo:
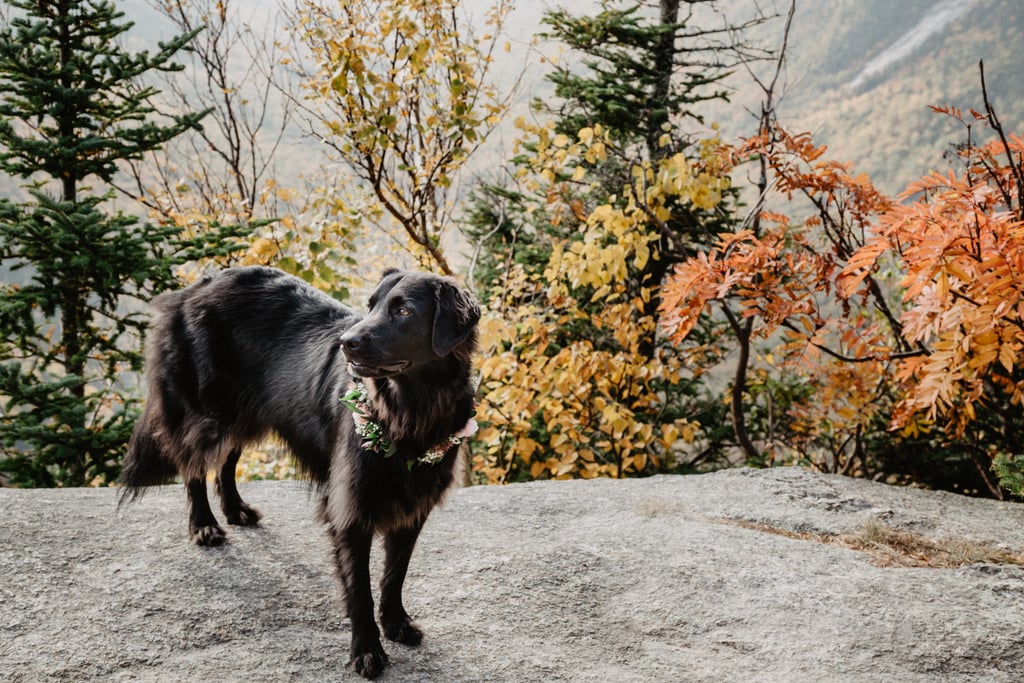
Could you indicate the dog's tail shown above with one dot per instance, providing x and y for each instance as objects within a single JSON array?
[{"x": 147, "y": 462}]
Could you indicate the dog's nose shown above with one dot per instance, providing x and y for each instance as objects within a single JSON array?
[{"x": 351, "y": 341}]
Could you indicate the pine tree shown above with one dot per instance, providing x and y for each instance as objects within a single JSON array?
[
  {"x": 641, "y": 73},
  {"x": 73, "y": 105}
]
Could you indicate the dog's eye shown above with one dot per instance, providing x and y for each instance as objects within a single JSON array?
[{"x": 403, "y": 312}]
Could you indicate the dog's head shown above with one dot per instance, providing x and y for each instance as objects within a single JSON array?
[{"x": 414, "y": 319}]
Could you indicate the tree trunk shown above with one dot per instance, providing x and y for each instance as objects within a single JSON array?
[
  {"x": 73, "y": 308},
  {"x": 657, "y": 268},
  {"x": 739, "y": 385},
  {"x": 664, "y": 64}
]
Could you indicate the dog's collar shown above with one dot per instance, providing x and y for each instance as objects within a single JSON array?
[
  {"x": 435, "y": 455},
  {"x": 357, "y": 400}
]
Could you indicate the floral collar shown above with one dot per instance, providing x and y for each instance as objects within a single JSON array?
[{"x": 357, "y": 400}]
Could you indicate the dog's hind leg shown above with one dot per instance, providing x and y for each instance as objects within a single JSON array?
[
  {"x": 398, "y": 547},
  {"x": 202, "y": 525},
  {"x": 236, "y": 510}
]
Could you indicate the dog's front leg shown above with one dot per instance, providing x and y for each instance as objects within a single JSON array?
[
  {"x": 352, "y": 555},
  {"x": 398, "y": 547}
]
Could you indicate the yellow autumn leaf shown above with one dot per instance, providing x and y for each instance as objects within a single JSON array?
[{"x": 1008, "y": 356}]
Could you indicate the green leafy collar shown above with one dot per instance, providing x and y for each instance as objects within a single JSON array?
[{"x": 357, "y": 400}]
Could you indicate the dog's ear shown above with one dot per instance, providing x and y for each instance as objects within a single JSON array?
[{"x": 455, "y": 316}]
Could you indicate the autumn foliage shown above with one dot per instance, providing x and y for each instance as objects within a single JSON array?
[
  {"x": 959, "y": 242},
  {"x": 900, "y": 314},
  {"x": 566, "y": 389},
  {"x": 827, "y": 325},
  {"x": 402, "y": 96}
]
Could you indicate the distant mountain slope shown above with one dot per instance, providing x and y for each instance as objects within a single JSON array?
[
  {"x": 932, "y": 23},
  {"x": 862, "y": 73}
]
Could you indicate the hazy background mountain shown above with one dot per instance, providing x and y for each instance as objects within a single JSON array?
[{"x": 860, "y": 74}]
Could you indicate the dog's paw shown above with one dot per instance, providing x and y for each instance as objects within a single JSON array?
[
  {"x": 402, "y": 631},
  {"x": 369, "y": 662},
  {"x": 245, "y": 515},
  {"x": 208, "y": 536}
]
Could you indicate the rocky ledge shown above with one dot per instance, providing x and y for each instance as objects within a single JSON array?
[{"x": 742, "y": 575}]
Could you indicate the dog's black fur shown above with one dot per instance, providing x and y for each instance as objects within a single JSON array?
[{"x": 253, "y": 351}]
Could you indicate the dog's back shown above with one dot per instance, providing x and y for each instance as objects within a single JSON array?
[{"x": 228, "y": 359}]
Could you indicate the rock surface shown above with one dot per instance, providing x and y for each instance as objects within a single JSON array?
[{"x": 638, "y": 580}]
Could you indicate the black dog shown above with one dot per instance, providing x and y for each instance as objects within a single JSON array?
[{"x": 253, "y": 351}]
